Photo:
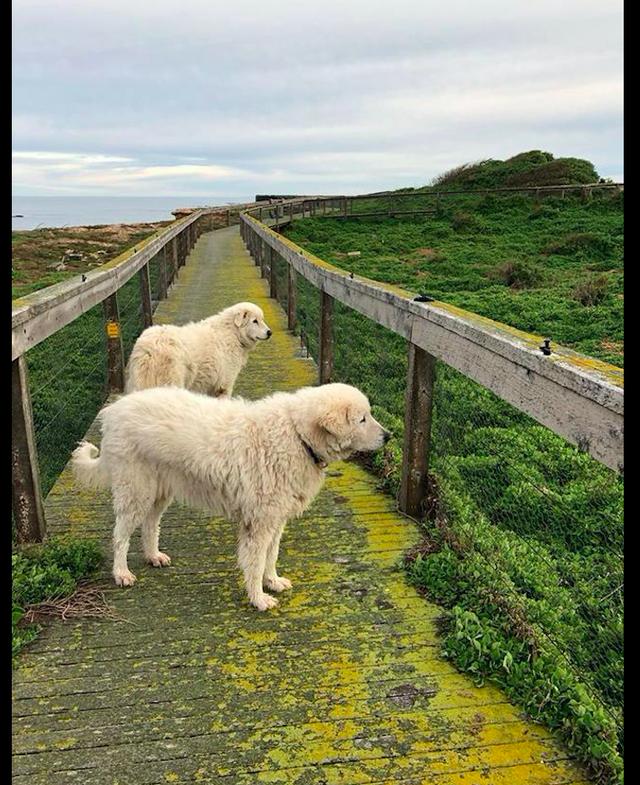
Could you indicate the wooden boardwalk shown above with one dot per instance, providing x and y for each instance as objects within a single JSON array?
[{"x": 342, "y": 684}]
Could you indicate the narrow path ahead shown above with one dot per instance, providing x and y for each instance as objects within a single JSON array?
[{"x": 342, "y": 684}]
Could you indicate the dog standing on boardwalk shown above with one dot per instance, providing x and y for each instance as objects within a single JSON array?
[
  {"x": 204, "y": 356},
  {"x": 257, "y": 463}
]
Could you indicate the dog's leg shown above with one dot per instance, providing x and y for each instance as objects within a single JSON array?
[
  {"x": 151, "y": 534},
  {"x": 124, "y": 528},
  {"x": 252, "y": 556},
  {"x": 272, "y": 580}
]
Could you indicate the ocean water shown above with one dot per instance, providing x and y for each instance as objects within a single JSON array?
[{"x": 57, "y": 211}]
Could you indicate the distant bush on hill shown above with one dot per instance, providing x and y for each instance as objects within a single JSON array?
[{"x": 533, "y": 168}]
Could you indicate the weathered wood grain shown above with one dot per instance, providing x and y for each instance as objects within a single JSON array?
[{"x": 417, "y": 431}]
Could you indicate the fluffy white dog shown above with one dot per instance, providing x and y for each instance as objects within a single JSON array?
[
  {"x": 257, "y": 463},
  {"x": 204, "y": 356}
]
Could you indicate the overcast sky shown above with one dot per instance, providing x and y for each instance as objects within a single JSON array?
[{"x": 228, "y": 99}]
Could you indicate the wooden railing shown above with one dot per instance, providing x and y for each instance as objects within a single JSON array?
[
  {"x": 578, "y": 397},
  {"x": 343, "y": 207},
  {"x": 41, "y": 314}
]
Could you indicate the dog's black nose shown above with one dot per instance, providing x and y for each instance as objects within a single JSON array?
[
  {"x": 269, "y": 333},
  {"x": 387, "y": 436}
]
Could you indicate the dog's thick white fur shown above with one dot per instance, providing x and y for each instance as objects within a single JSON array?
[
  {"x": 204, "y": 356},
  {"x": 257, "y": 463}
]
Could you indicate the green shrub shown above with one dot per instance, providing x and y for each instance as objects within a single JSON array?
[
  {"x": 518, "y": 274},
  {"x": 588, "y": 244},
  {"x": 44, "y": 572},
  {"x": 532, "y": 168},
  {"x": 592, "y": 291},
  {"x": 463, "y": 221}
]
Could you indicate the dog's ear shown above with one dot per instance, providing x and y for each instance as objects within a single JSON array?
[
  {"x": 335, "y": 420},
  {"x": 241, "y": 317}
]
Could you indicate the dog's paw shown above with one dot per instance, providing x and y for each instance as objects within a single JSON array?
[
  {"x": 278, "y": 583},
  {"x": 159, "y": 559},
  {"x": 124, "y": 578},
  {"x": 265, "y": 602}
]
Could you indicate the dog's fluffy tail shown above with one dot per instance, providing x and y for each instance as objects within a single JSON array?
[
  {"x": 88, "y": 466},
  {"x": 153, "y": 369}
]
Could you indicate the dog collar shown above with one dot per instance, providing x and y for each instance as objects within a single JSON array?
[{"x": 314, "y": 456}]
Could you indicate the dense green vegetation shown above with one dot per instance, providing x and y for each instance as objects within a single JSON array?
[
  {"x": 46, "y": 572},
  {"x": 534, "y": 167},
  {"x": 523, "y": 536}
]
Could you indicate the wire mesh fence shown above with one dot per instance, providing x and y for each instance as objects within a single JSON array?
[
  {"x": 68, "y": 370},
  {"x": 523, "y": 536},
  {"x": 67, "y": 375},
  {"x": 131, "y": 316}
]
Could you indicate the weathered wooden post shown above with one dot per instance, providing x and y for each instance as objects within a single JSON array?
[
  {"x": 228, "y": 217},
  {"x": 262, "y": 256},
  {"x": 417, "y": 431},
  {"x": 115, "y": 351},
  {"x": 28, "y": 509},
  {"x": 326, "y": 338},
  {"x": 162, "y": 274},
  {"x": 174, "y": 259},
  {"x": 145, "y": 295},
  {"x": 273, "y": 283},
  {"x": 183, "y": 248},
  {"x": 292, "y": 293}
]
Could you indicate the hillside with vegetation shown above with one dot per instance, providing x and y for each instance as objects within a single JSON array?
[
  {"x": 43, "y": 257},
  {"x": 523, "y": 536},
  {"x": 532, "y": 168}
]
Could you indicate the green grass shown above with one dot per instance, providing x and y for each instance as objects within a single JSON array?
[
  {"x": 524, "y": 537},
  {"x": 46, "y": 572},
  {"x": 559, "y": 244}
]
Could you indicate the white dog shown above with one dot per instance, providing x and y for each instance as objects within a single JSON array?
[
  {"x": 256, "y": 463},
  {"x": 204, "y": 356}
]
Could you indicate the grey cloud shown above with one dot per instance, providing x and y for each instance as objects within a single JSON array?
[{"x": 277, "y": 89}]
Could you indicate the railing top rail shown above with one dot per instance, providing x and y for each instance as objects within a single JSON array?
[
  {"x": 580, "y": 397},
  {"x": 502, "y": 189}
]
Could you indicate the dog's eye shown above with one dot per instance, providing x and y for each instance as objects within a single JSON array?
[
  {"x": 364, "y": 418},
  {"x": 255, "y": 321}
]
